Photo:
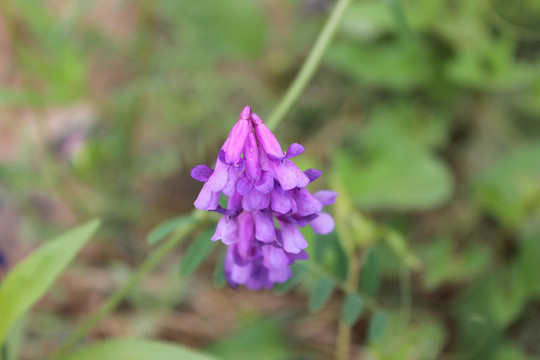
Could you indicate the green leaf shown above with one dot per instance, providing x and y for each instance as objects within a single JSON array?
[
  {"x": 378, "y": 325},
  {"x": 424, "y": 339},
  {"x": 397, "y": 11},
  {"x": 132, "y": 349},
  {"x": 219, "y": 272},
  {"x": 197, "y": 252},
  {"x": 370, "y": 275},
  {"x": 398, "y": 65},
  {"x": 508, "y": 350},
  {"x": 352, "y": 309},
  {"x": 446, "y": 262},
  {"x": 403, "y": 179},
  {"x": 407, "y": 123},
  {"x": 14, "y": 340},
  {"x": 509, "y": 189},
  {"x": 523, "y": 13},
  {"x": 320, "y": 294},
  {"x": 167, "y": 227},
  {"x": 257, "y": 338},
  {"x": 31, "y": 279}
]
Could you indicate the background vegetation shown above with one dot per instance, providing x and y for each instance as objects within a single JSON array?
[{"x": 424, "y": 116}]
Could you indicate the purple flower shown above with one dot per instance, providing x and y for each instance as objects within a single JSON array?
[{"x": 268, "y": 203}]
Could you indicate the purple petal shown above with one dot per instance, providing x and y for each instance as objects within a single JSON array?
[
  {"x": 219, "y": 229},
  {"x": 221, "y": 153},
  {"x": 302, "y": 255},
  {"x": 201, "y": 173},
  {"x": 219, "y": 178},
  {"x": 258, "y": 278},
  {"x": 286, "y": 174},
  {"x": 238, "y": 137},
  {"x": 302, "y": 180},
  {"x": 264, "y": 227},
  {"x": 313, "y": 174},
  {"x": 303, "y": 220},
  {"x": 326, "y": 197},
  {"x": 293, "y": 240},
  {"x": 251, "y": 156},
  {"x": 240, "y": 166},
  {"x": 265, "y": 183},
  {"x": 307, "y": 203},
  {"x": 232, "y": 176},
  {"x": 229, "y": 233},
  {"x": 274, "y": 257},
  {"x": 240, "y": 274},
  {"x": 246, "y": 113},
  {"x": 279, "y": 275},
  {"x": 266, "y": 138},
  {"x": 281, "y": 201},
  {"x": 289, "y": 175},
  {"x": 246, "y": 235},
  {"x": 294, "y": 150},
  {"x": 323, "y": 224},
  {"x": 255, "y": 200},
  {"x": 228, "y": 265},
  {"x": 207, "y": 199},
  {"x": 244, "y": 185},
  {"x": 226, "y": 212},
  {"x": 264, "y": 161},
  {"x": 246, "y": 227},
  {"x": 235, "y": 202}
]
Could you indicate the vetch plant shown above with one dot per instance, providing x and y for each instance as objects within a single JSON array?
[
  {"x": 264, "y": 187},
  {"x": 268, "y": 201}
]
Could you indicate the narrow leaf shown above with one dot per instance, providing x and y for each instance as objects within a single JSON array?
[
  {"x": 132, "y": 349},
  {"x": 219, "y": 273},
  {"x": 31, "y": 279},
  {"x": 397, "y": 11},
  {"x": 320, "y": 294},
  {"x": 167, "y": 227},
  {"x": 370, "y": 275},
  {"x": 378, "y": 325},
  {"x": 352, "y": 309},
  {"x": 197, "y": 252},
  {"x": 14, "y": 340}
]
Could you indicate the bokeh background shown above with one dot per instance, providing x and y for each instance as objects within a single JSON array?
[{"x": 424, "y": 114}]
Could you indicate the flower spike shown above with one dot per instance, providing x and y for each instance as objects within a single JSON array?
[{"x": 265, "y": 188}]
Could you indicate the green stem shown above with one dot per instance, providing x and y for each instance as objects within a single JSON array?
[
  {"x": 146, "y": 267},
  {"x": 310, "y": 64},
  {"x": 343, "y": 340}
]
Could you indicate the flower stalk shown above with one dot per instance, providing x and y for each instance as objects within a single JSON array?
[{"x": 310, "y": 65}]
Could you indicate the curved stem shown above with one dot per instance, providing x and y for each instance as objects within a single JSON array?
[
  {"x": 146, "y": 267},
  {"x": 310, "y": 65}
]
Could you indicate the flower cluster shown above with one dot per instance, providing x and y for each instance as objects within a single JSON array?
[{"x": 264, "y": 189}]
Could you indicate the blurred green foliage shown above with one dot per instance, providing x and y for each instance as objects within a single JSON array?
[{"x": 425, "y": 113}]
